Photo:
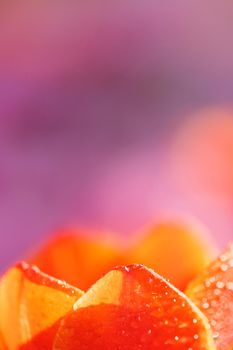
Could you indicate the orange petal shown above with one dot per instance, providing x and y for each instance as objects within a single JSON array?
[
  {"x": 133, "y": 308},
  {"x": 212, "y": 291},
  {"x": 31, "y": 302},
  {"x": 174, "y": 250},
  {"x": 76, "y": 259},
  {"x": 2, "y": 344}
]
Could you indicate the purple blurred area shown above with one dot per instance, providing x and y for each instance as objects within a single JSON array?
[{"x": 93, "y": 98}]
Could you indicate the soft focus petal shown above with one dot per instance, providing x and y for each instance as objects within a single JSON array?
[
  {"x": 76, "y": 258},
  {"x": 176, "y": 250}
]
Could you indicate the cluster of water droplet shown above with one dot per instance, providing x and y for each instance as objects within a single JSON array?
[{"x": 217, "y": 288}]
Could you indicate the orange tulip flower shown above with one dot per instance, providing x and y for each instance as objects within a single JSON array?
[{"x": 129, "y": 307}]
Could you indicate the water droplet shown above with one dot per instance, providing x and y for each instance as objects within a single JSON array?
[
  {"x": 205, "y": 305},
  {"x": 215, "y": 335},
  {"x": 217, "y": 292},
  {"x": 207, "y": 284},
  {"x": 220, "y": 284},
  {"x": 224, "y": 267}
]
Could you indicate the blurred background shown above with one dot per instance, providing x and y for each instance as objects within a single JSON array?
[{"x": 113, "y": 114}]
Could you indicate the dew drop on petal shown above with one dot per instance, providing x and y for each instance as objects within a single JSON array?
[
  {"x": 220, "y": 284},
  {"x": 205, "y": 305}
]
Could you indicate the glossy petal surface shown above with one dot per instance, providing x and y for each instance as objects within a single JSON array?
[{"x": 133, "y": 308}]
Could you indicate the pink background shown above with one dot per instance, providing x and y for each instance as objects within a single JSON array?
[{"x": 93, "y": 98}]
